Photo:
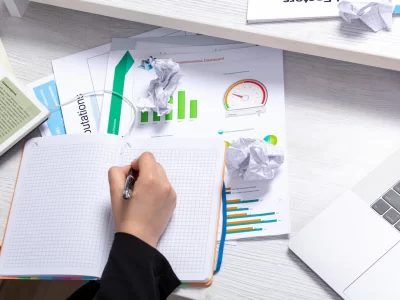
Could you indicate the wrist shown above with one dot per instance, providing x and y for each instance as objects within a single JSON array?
[{"x": 138, "y": 231}]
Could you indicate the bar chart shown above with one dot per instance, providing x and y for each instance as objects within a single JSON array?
[
  {"x": 239, "y": 201},
  {"x": 248, "y": 222},
  {"x": 243, "y": 216},
  {"x": 179, "y": 113},
  {"x": 242, "y": 190},
  {"x": 246, "y": 215},
  {"x": 168, "y": 117}
]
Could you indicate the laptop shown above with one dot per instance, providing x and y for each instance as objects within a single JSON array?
[{"x": 354, "y": 244}]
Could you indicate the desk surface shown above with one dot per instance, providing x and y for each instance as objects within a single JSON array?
[
  {"x": 342, "y": 121},
  {"x": 332, "y": 38}
]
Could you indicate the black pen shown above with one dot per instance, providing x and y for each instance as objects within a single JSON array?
[{"x": 129, "y": 183}]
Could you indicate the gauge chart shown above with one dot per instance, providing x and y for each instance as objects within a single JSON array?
[{"x": 245, "y": 97}]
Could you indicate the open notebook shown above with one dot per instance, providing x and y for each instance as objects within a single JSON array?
[{"x": 60, "y": 223}]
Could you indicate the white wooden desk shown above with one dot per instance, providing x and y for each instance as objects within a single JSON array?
[
  {"x": 342, "y": 121},
  {"x": 227, "y": 19}
]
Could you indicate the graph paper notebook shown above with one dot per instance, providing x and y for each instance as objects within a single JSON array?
[{"x": 60, "y": 223}]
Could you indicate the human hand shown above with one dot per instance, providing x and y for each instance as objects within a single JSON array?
[{"x": 147, "y": 213}]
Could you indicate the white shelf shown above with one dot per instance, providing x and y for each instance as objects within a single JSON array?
[{"x": 332, "y": 38}]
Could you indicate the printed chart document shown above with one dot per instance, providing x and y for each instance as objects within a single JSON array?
[
  {"x": 86, "y": 72},
  {"x": 230, "y": 94},
  {"x": 120, "y": 75},
  {"x": 20, "y": 112},
  {"x": 45, "y": 91}
]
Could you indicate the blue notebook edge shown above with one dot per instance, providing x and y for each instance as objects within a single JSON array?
[{"x": 223, "y": 232}]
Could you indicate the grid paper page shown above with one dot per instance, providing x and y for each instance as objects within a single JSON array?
[
  {"x": 60, "y": 221},
  {"x": 194, "y": 169}
]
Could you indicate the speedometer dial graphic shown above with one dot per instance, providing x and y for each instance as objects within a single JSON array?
[{"x": 246, "y": 94}]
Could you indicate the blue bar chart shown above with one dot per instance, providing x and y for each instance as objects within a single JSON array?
[{"x": 242, "y": 214}]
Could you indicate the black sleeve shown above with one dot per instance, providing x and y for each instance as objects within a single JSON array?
[{"x": 135, "y": 270}]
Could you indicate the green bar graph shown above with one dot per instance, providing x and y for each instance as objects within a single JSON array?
[
  {"x": 193, "y": 109},
  {"x": 156, "y": 118},
  {"x": 168, "y": 117},
  {"x": 181, "y": 105},
  {"x": 144, "y": 116}
]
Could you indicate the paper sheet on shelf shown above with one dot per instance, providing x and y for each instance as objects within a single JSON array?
[
  {"x": 204, "y": 105},
  {"x": 84, "y": 72}
]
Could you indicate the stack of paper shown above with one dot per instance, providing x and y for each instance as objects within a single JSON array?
[{"x": 228, "y": 89}]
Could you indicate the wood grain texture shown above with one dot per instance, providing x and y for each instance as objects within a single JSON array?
[
  {"x": 332, "y": 38},
  {"x": 342, "y": 121},
  {"x": 16, "y": 8}
]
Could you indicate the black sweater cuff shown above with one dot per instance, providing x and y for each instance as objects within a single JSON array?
[{"x": 135, "y": 269}]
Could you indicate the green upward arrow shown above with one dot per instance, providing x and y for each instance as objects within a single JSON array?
[{"x": 121, "y": 70}]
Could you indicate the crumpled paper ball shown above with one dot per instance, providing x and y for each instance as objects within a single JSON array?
[
  {"x": 376, "y": 14},
  {"x": 253, "y": 159},
  {"x": 161, "y": 89}
]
